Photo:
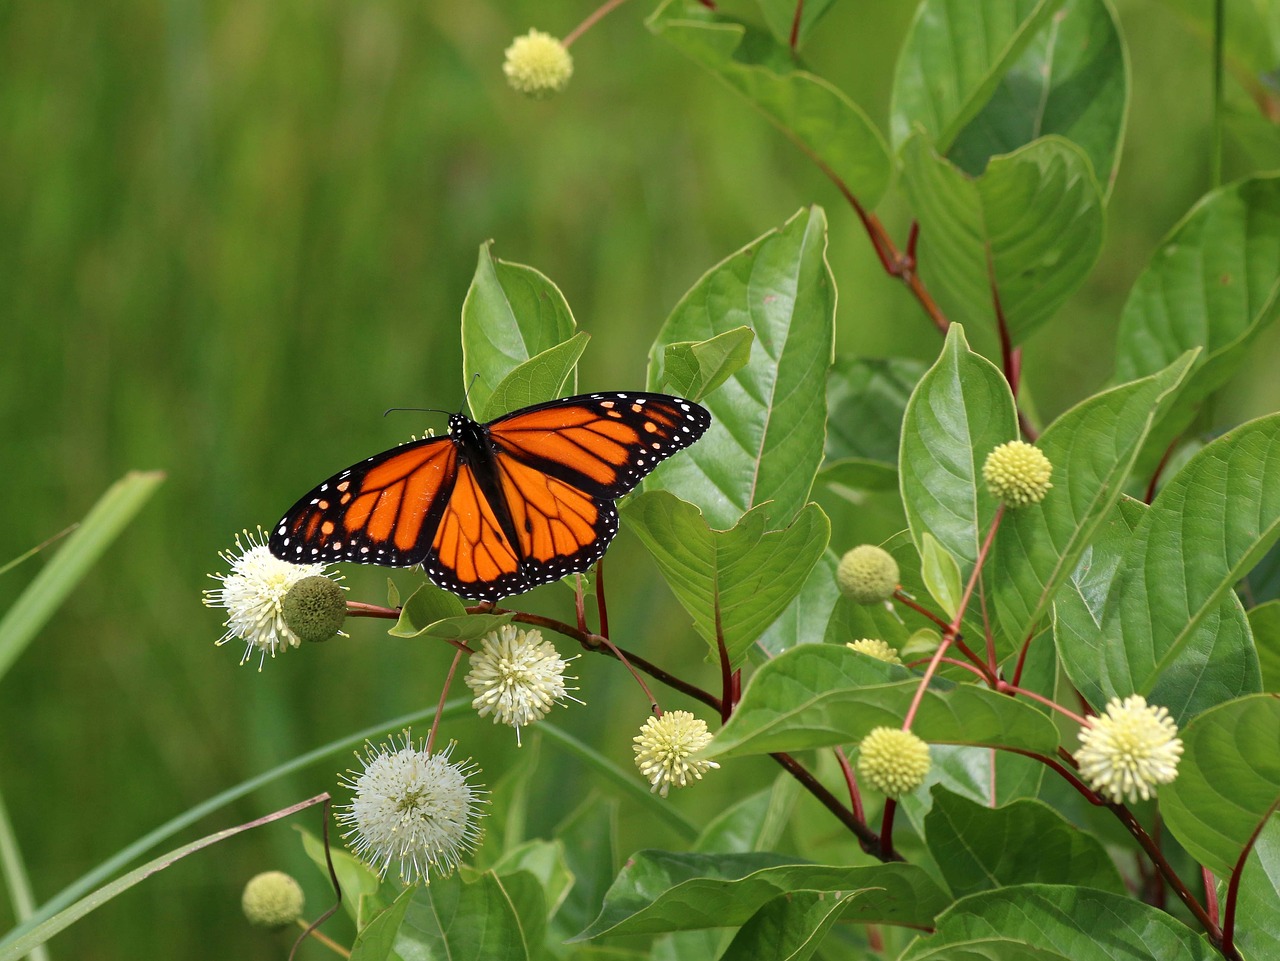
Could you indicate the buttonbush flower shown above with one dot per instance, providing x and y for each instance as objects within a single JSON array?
[
  {"x": 893, "y": 761},
  {"x": 517, "y": 676},
  {"x": 874, "y": 647},
  {"x": 413, "y": 809},
  {"x": 1129, "y": 749},
  {"x": 315, "y": 608},
  {"x": 867, "y": 574},
  {"x": 1018, "y": 473},
  {"x": 663, "y": 748},
  {"x": 538, "y": 64},
  {"x": 272, "y": 899},
  {"x": 253, "y": 594}
]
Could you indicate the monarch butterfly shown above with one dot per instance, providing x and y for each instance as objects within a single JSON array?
[{"x": 494, "y": 509}]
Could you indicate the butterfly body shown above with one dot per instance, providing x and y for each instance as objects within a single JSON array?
[{"x": 493, "y": 509}]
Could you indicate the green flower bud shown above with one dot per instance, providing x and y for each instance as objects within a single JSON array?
[
  {"x": 867, "y": 574},
  {"x": 1017, "y": 473},
  {"x": 272, "y": 899},
  {"x": 314, "y": 608},
  {"x": 893, "y": 761}
]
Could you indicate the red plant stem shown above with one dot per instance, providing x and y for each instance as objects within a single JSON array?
[
  {"x": 579, "y": 609},
  {"x": 444, "y": 693},
  {"x": 886, "y": 831},
  {"x": 1150, "y": 494},
  {"x": 866, "y": 837},
  {"x": 1211, "y": 899},
  {"x": 1022, "y": 658},
  {"x": 311, "y": 930},
  {"x": 726, "y": 673},
  {"x": 360, "y": 609},
  {"x": 1005, "y": 688},
  {"x": 851, "y": 781},
  {"x": 954, "y": 662},
  {"x": 902, "y": 596},
  {"x": 653, "y": 701},
  {"x": 795, "y": 25},
  {"x": 1065, "y": 772},
  {"x": 1233, "y": 886},
  {"x": 600, "y": 12},
  {"x": 602, "y": 607}
]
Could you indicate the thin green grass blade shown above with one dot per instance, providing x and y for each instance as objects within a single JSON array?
[{"x": 14, "y": 872}]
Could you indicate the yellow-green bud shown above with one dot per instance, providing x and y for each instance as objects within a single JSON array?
[
  {"x": 1018, "y": 473},
  {"x": 538, "y": 65},
  {"x": 314, "y": 608},
  {"x": 874, "y": 647},
  {"x": 867, "y": 574},
  {"x": 893, "y": 761},
  {"x": 272, "y": 899}
]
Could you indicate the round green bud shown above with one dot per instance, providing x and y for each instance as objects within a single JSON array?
[
  {"x": 314, "y": 608},
  {"x": 867, "y": 574},
  {"x": 893, "y": 761},
  {"x": 272, "y": 899},
  {"x": 1018, "y": 473}
]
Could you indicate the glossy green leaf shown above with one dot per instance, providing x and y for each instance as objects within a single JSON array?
[
  {"x": 1264, "y": 623},
  {"x": 819, "y": 695},
  {"x": 695, "y": 369},
  {"x": 978, "y": 847},
  {"x": 756, "y": 823},
  {"x": 434, "y": 612},
  {"x": 665, "y": 891},
  {"x": 866, "y": 401},
  {"x": 543, "y": 860},
  {"x": 545, "y": 377},
  {"x": 766, "y": 437},
  {"x": 46, "y": 592},
  {"x": 805, "y": 619},
  {"x": 1213, "y": 283},
  {"x": 734, "y": 583},
  {"x": 814, "y": 115},
  {"x": 941, "y": 575},
  {"x": 587, "y": 836},
  {"x": 1258, "y": 908},
  {"x": 1078, "y": 923},
  {"x": 780, "y": 16},
  {"x": 953, "y": 59},
  {"x": 1028, "y": 230},
  {"x": 1228, "y": 780},
  {"x": 958, "y": 413},
  {"x": 1093, "y": 448},
  {"x": 1072, "y": 80},
  {"x": 790, "y": 927},
  {"x": 512, "y": 313},
  {"x": 1172, "y": 628},
  {"x": 989, "y": 948},
  {"x": 452, "y": 920},
  {"x": 376, "y": 940}
]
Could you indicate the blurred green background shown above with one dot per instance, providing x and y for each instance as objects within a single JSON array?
[{"x": 232, "y": 233}]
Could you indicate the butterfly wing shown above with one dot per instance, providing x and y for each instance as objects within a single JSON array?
[{"x": 384, "y": 510}]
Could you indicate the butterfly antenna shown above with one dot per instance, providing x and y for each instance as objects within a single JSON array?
[
  {"x": 466, "y": 394},
  {"x": 423, "y": 410}
]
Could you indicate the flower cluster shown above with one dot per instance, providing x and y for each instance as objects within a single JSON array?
[
  {"x": 874, "y": 647},
  {"x": 867, "y": 574},
  {"x": 517, "y": 676},
  {"x": 537, "y": 64},
  {"x": 665, "y": 747},
  {"x": 1129, "y": 749},
  {"x": 1018, "y": 473},
  {"x": 893, "y": 761}
]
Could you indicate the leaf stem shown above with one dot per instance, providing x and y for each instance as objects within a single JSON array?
[
  {"x": 592, "y": 19},
  {"x": 1233, "y": 886},
  {"x": 851, "y": 780},
  {"x": 444, "y": 693},
  {"x": 867, "y": 838},
  {"x": 795, "y": 26}
]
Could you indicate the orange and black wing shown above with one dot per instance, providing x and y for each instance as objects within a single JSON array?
[
  {"x": 556, "y": 470},
  {"x": 384, "y": 510}
]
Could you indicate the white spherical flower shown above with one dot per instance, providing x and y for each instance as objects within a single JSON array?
[
  {"x": 413, "y": 809},
  {"x": 253, "y": 594},
  {"x": 663, "y": 748},
  {"x": 874, "y": 647},
  {"x": 1129, "y": 749},
  {"x": 517, "y": 676},
  {"x": 538, "y": 64}
]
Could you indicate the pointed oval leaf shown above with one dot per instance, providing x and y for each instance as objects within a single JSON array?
[
  {"x": 1214, "y": 283},
  {"x": 866, "y": 401},
  {"x": 958, "y": 413},
  {"x": 545, "y": 377},
  {"x": 695, "y": 369},
  {"x": 1028, "y": 230},
  {"x": 450, "y": 918},
  {"x": 511, "y": 314},
  {"x": 377, "y": 939},
  {"x": 816, "y": 116},
  {"x": 433, "y": 612},
  {"x": 1228, "y": 780},
  {"x": 769, "y": 418}
]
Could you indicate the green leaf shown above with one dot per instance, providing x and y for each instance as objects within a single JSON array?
[
  {"x": 953, "y": 59},
  {"x": 866, "y": 401},
  {"x": 459, "y": 921},
  {"x": 1258, "y": 907},
  {"x": 541, "y": 378},
  {"x": 941, "y": 575},
  {"x": 734, "y": 583},
  {"x": 512, "y": 313},
  {"x": 819, "y": 695},
  {"x": 434, "y": 612},
  {"x": 780, "y": 17},
  {"x": 1072, "y": 80},
  {"x": 1093, "y": 448},
  {"x": 791, "y": 926},
  {"x": 1172, "y": 628},
  {"x": 755, "y": 823},
  {"x": 694, "y": 369},
  {"x": 376, "y": 940},
  {"x": 664, "y": 891},
  {"x": 958, "y": 413},
  {"x": 805, "y": 619},
  {"x": 1214, "y": 283},
  {"x": 587, "y": 836},
  {"x": 766, "y": 438},
  {"x": 1074, "y": 922},
  {"x": 1028, "y": 230},
  {"x": 978, "y": 847},
  {"x": 1228, "y": 780},
  {"x": 360, "y": 886},
  {"x": 1264, "y": 623},
  {"x": 814, "y": 115},
  {"x": 81, "y": 550},
  {"x": 543, "y": 860}
]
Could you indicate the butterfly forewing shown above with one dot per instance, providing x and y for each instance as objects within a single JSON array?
[{"x": 493, "y": 510}]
